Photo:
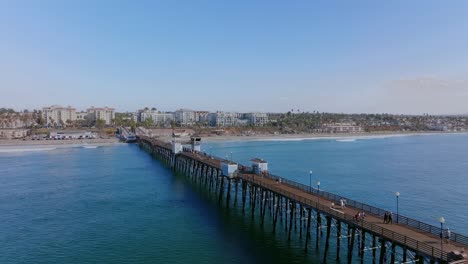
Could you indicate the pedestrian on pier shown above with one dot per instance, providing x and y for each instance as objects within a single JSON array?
[
  {"x": 342, "y": 203},
  {"x": 390, "y": 218},
  {"x": 356, "y": 217},
  {"x": 447, "y": 235},
  {"x": 385, "y": 218}
]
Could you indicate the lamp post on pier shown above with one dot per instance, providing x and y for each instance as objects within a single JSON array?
[
  {"x": 310, "y": 181},
  {"x": 441, "y": 221},
  {"x": 397, "y": 194}
]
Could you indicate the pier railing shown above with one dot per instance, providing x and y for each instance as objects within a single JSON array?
[
  {"x": 374, "y": 210},
  {"x": 386, "y": 233}
]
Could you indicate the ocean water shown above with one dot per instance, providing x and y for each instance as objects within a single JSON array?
[{"x": 118, "y": 205}]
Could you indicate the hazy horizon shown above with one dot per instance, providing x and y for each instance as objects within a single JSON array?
[{"x": 394, "y": 57}]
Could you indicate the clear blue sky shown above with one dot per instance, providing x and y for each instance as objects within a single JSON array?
[{"x": 338, "y": 56}]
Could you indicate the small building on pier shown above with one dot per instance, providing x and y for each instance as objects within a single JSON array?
[
  {"x": 259, "y": 166},
  {"x": 196, "y": 143},
  {"x": 229, "y": 168}
]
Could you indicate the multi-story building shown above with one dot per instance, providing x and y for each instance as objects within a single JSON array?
[
  {"x": 185, "y": 116},
  {"x": 101, "y": 113},
  {"x": 223, "y": 119},
  {"x": 81, "y": 115},
  {"x": 158, "y": 117},
  {"x": 58, "y": 115},
  {"x": 342, "y": 128},
  {"x": 201, "y": 116},
  {"x": 257, "y": 119}
]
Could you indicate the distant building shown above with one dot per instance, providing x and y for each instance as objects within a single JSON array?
[
  {"x": 342, "y": 128},
  {"x": 224, "y": 119},
  {"x": 185, "y": 117},
  {"x": 158, "y": 117},
  {"x": 103, "y": 113},
  {"x": 257, "y": 119},
  {"x": 80, "y": 116},
  {"x": 14, "y": 133},
  {"x": 58, "y": 115},
  {"x": 201, "y": 116}
]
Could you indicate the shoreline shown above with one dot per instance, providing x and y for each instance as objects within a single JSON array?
[
  {"x": 24, "y": 145},
  {"x": 319, "y": 136}
]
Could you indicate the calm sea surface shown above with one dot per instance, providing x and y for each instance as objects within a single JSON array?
[{"x": 118, "y": 205}]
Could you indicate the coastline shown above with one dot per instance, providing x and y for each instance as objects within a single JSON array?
[
  {"x": 318, "y": 136},
  {"x": 31, "y": 145}
]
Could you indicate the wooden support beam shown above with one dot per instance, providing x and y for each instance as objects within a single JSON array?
[
  {"x": 382, "y": 251},
  {"x": 277, "y": 209},
  {"x": 309, "y": 216},
  {"x": 221, "y": 190},
  {"x": 351, "y": 245},
  {"x": 374, "y": 248},
  {"x": 338, "y": 240},
  {"x": 319, "y": 223},
  {"x": 327, "y": 239},
  {"x": 291, "y": 213},
  {"x": 228, "y": 192}
]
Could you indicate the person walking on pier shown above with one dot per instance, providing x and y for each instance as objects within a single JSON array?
[
  {"x": 390, "y": 218},
  {"x": 342, "y": 203},
  {"x": 447, "y": 235},
  {"x": 385, "y": 218}
]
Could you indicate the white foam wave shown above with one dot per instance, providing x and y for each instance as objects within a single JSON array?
[
  {"x": 346, "y": 140},
  {"x": 16, "y": 150}
]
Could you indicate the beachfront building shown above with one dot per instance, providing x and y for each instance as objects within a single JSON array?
[
  {"x": 14, "y": 133},
  {"x": 101, "y": 113},
  {"x": 342, "y": 128},
  {"x": 185, "y": 117},
  {"x": 58, "y": 116},
  {"x": 224, "y": 119},
  {"x": 257, "y": 119}
]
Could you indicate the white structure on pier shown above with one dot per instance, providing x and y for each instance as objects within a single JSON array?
[
  {"x": 259, "y": 166},
  {"x": 176, "y": 146},
  {"x": 229, "y": 168}
]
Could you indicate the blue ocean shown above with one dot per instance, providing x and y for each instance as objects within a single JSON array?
[{"x": 118, "y": 205}]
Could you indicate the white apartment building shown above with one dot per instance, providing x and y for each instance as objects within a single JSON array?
[
  {"x": 185, "y": 116},
  {"x": 58, "y": 115},
  {"x": 104, "y": 113},
  {"x": 158, "y": 117},
  {"x": 224, "y": 119},
  {"x": 257, "y": 119}
]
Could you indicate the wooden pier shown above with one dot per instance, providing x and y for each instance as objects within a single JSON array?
[{"x": 307, "y": 212}]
